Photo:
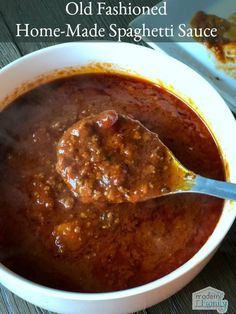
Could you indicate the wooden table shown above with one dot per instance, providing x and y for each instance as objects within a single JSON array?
[{"x": 219, "y": 273}]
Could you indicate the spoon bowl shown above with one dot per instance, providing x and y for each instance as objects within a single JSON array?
[{"x": 113, "y": 158}]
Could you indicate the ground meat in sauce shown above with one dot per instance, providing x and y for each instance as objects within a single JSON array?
[
  {"x": 49, "y": 236},
  {"x": 113, "y": 158}
]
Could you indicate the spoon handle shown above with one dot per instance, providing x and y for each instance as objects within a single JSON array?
[{"x": 216, "y": 188}]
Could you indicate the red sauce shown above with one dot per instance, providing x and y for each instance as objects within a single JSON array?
[
  {"x": 112, "y": 158},
  {"x": 47, "y": 235}
]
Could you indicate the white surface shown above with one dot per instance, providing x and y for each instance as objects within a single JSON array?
[
  {"x": 194, "y": 54},
  {"x": 152, "y": 65}
]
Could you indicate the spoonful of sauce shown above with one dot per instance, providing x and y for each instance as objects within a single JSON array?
[{"x": 113, "y": 158}]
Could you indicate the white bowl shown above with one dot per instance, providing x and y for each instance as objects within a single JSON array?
[{"x": 153, "y": 65}]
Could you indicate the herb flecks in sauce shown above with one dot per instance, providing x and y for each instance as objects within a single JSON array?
[
  {"x": 49, "y": 236},
  {"x": 114, "y": 158}
]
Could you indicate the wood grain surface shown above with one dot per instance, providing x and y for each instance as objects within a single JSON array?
[{"x": 220, "y": 273}]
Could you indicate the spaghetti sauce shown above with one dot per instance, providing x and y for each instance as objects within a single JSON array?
[{"x": 49, "y": 236}]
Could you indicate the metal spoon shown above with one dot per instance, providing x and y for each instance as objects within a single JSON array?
[
  {"x": 212, "y": 187},
  {"x": 113, "y": 158},
  {"x": 193, "y": 183}
]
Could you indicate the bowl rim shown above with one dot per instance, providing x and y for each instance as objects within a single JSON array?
[{"x": 177, "y": 273}]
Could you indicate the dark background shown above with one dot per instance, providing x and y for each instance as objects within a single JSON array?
[
  {"x": 52, "y": 13},
  {"x": 220, "y": 273}
]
